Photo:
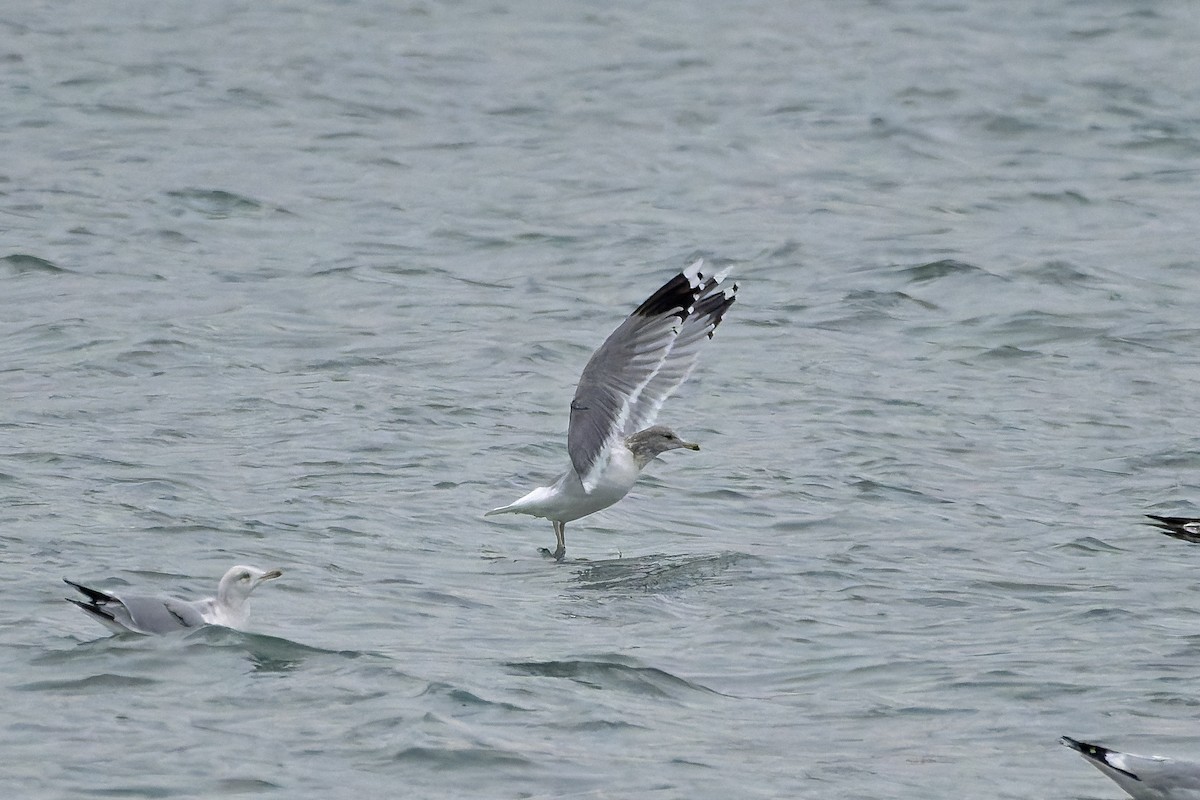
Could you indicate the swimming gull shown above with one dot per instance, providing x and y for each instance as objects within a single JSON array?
[
  {"x": 1186, "y": 528},
  {"x": 148, "y": 614},
  {"x": 1143, "y": 777},
  {"x": 611, "y": 435}
]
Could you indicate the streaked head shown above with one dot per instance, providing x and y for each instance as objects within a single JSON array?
[{"x": 647, "y": 444}]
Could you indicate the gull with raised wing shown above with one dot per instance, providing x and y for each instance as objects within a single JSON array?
[
  {"x": 1143, "y": 777},
  {"x": 611, "y": 435},
  {"x": 152, "y": 614}
]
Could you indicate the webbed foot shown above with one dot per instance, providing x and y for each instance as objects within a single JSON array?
[{"x": 557, "y": 555}]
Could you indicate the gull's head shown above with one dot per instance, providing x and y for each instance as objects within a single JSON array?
[
  {"x": 241, "y": 580},
  {"x": 648, "y": 443}
]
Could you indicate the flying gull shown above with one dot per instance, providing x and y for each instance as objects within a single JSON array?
[
  {"x": 141, "y": 613},
  {"x": 1143, "y": 777},
  {"x": 611, "y": 435}
]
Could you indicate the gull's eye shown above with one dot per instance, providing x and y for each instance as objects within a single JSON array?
[{"x": 245, "y": 576}]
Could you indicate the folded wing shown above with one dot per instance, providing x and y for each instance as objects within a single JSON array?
[{"x": 137, "y": 613}]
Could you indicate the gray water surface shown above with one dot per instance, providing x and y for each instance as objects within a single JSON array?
[{"x": 308, "y": 286}]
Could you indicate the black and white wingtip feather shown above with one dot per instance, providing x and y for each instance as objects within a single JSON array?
[
  {"x": 692, "y": 292},
  {"x": 713, "y": 302},
  {"x": 1185, "y": 528},
  {"x": 96, "y": 600},
  {"x": 1101, "y": 756},
  {"x": 677, "y": 296}
]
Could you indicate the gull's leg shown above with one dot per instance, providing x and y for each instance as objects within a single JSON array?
[
  {"x": 561, "y": 536},
  {"x": 560, "y": 532}
]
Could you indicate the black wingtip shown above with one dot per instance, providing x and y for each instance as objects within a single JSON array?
[
  {"x": 1185, "y": 528},
  {"x": 1093, "y": 751},
  {"x": 1097, "y": 753},
  {"x": 1075, "y": 744},
  {"x": 91, "y": 608},
  {"x": 91, "y": 594},
  {"x": 678, "y": 294}
]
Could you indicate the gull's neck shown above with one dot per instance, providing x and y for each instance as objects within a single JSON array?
[
  {"x": 643, "y": 451},
  {"x": 231, "y": 605}
]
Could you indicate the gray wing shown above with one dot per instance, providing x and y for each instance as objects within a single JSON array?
[
  {"x": 161, "y": 614},
  {"x": 681, "y": 359},
  {"x": 1171, "y": 778},
  {"x": 620, "y": 369},
  {"x": 138, "y": 613}
]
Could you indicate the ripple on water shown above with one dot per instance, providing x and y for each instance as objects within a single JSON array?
[
  {"x": 457, "y": 758},
  {"x": 20, "y": 263},
  {"x": 613, "y": 672},
  {"x": 215, "y": 203},
  {"x": 92, "y": 684}
]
